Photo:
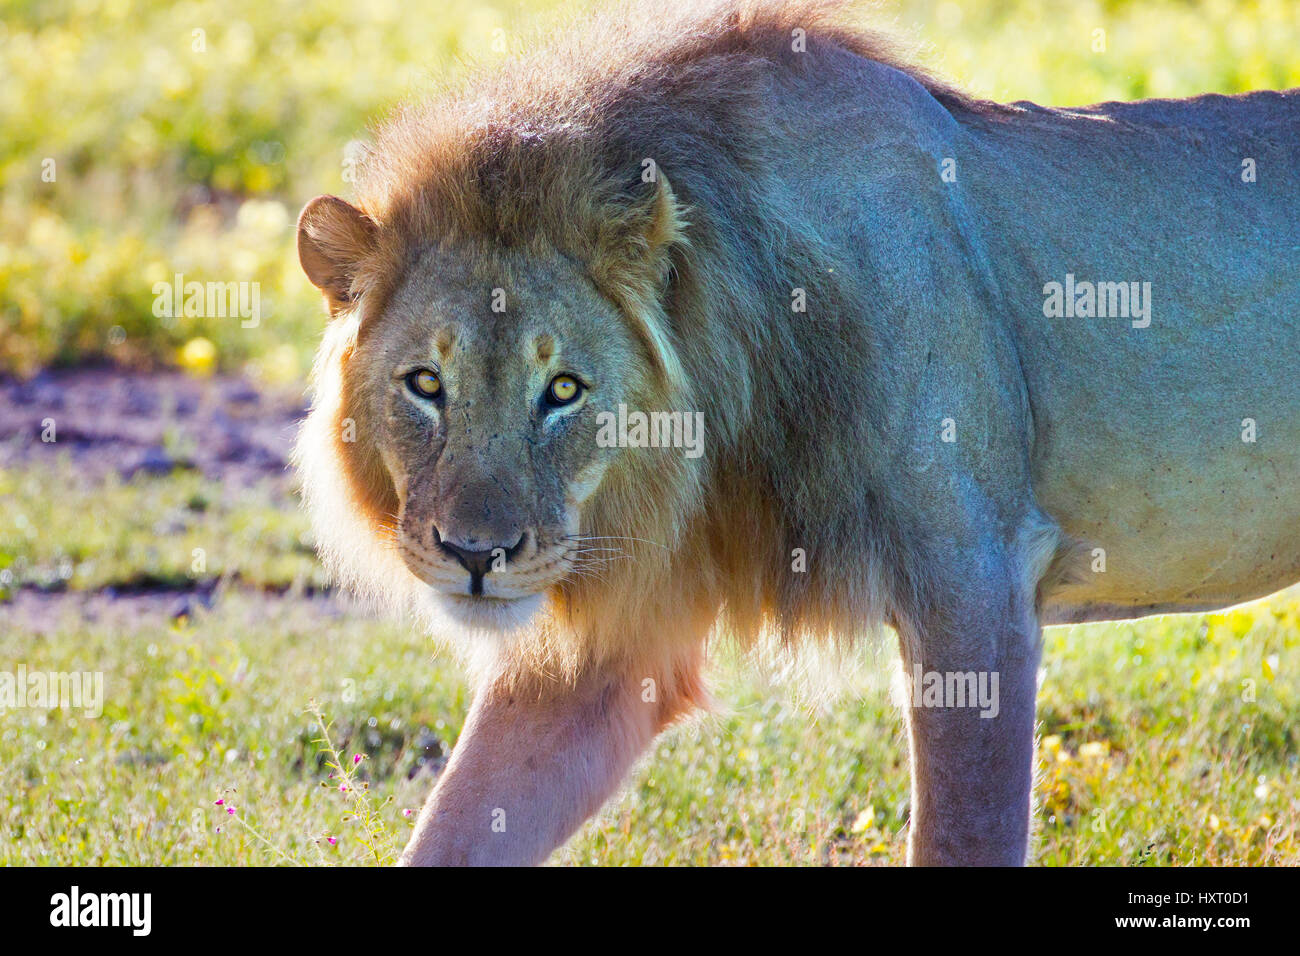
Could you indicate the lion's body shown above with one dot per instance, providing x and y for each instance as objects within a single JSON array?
[
  {"x": 896, "y": 432},
  {"x": 1138, "y": 437}
]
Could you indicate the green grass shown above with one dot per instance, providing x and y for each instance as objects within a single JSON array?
[
  {"x": 177, "y": 531},
  {"x": 1152, "y": 752}
]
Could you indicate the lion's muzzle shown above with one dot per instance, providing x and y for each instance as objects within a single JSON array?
[{"x": 477, "y": 559}]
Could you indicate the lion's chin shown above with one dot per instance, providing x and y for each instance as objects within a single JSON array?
[{"x": 488, "y": 615}]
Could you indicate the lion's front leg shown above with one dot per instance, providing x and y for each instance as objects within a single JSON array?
[
  {"x": 971, "y": 683},
  {"x": 531, "y": 766}
]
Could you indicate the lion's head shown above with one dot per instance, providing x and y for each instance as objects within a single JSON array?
[
  {"x": 517, "y": 265},
  {"x": 463, "y": 387},
  {"x": 480, "y": 387}
]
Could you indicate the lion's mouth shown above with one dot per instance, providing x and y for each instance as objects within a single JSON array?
[{"x": 487, "y": 612}]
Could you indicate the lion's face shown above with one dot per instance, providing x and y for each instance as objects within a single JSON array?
[{"x": 484, "y": 378}]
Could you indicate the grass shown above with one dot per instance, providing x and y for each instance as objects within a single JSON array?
[
  {"x": 180, "y": 530},
  {"x": 1168, "y": 741}
]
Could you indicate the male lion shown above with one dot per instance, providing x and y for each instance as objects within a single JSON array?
[{"x": 963, "y": 368}]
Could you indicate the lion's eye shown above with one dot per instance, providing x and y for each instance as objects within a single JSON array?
[
  {"x": 424, "y": 383},
  {"x": 563, "y": 390}
]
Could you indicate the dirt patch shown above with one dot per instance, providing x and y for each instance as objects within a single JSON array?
[
  {"x": 111, "y": 420},
  {"x": 34, "y": 612}
]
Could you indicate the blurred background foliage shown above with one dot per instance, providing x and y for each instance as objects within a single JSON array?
[{"x": 185, "y": 136}]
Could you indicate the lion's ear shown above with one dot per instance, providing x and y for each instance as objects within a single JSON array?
[
  {"x": 636, "y": 262},
  {"x": 667, "y": 224},
  {"x": 660, "y": 225},
  {"x": 333, "y": 237}
]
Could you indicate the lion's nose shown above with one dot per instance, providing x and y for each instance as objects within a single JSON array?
[{"x": 479, "y": 561}]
